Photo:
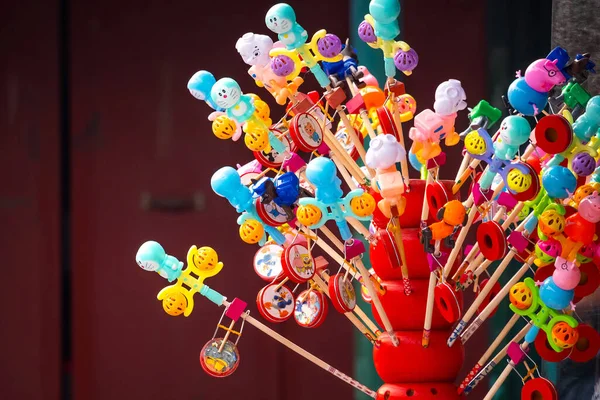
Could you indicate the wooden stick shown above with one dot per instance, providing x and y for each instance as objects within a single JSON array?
[
  {"x": 462, "y": 178},
  {"x": 403, "y": 162},
  {"x": 429, "y": 309},
  {"x": 343, "y": 171},
  {"x": 375, "y": 299},
  {"x": 226, "y": 336},
  {"x": 507, "y": 370},
  {"x": 397, "y": 231},
  {"x": 460, "y": 239},
  {"x": 332, "y": 238},
  {"x": 483, "y": 372},
  {"x": 480, "y": 297},
  {"x": 281, "y": 283},
  {"x": 488, "y": 352},
  {"x": 336, "y": 146},
  {"x": 463, "y": 166},
  {"x": 355, "y": 139},
  {"x": 351, "y": 317},
  {"x": 310, "y": 357},
  {"x": 487, "y": 311},
  {"x": 360, "y": 228},
  {"x": 359, "y": 312}
]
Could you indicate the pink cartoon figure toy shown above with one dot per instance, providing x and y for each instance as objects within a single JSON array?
[
  {"x": 433, "y": 126},
  {"x": 542, "y": 75},
  {"x": 254, "y": 49}
]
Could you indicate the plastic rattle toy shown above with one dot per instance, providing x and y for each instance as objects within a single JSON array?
[
  {"x": 380, "y": 29},
  {"x": 226, "y": 183},
  {"x": 152, "y": 257}
]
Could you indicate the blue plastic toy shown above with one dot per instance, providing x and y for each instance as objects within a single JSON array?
[
  {"x": 227, "y": 94},
  {"x": 588, "y": 125},
  {"x": 227, "y": 183},
  {"x": 322, "y": 173},
  {"x": 523, "y": 98},
  {"x": 559, "y": 182},
  {"x": 152, "y": 257},
  {"x": 281, "y": 19},
  {"x": 385, "y": 13},
  {"x": 514, "y": 132},
  {"x": 200, "y": 85}
]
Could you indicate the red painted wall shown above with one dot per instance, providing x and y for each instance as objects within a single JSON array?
[{"x": 29, "y": 201}]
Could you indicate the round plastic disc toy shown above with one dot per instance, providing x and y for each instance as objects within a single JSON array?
[
  {"x": 447, "y": 302},
  {"x": 386, "y": 120},
  {"x": 219, "y": 363},
  {"x": 491, "y": 240},
  {"x": 553, "y": 134},
  {"x": 271, "y": 213},
  {"x": 342, "y": 294},
  {"x": 275, "y": 305},
  {"x": 311, "y": 309},
  {"x": 306, "y": 132},
  {"x": 538, "y": 389},
  {"x": 437, "y": 197},
  {"x": 542, "y": 347},
  {"x": 297, "y": 262},
  {"x": 587, "y": 346},
  {"x": 267, "y": 262},
  {"x": 273, "y": 159}
]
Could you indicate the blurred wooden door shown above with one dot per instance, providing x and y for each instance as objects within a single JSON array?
[
  {"x": 29, "y": 201},
  {"x": 137, "y": 132}
]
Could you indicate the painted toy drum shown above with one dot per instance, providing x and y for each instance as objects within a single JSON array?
[
  {"x": 542, "y": 347},
  {"x": 306, "y": 132},
  {"x": 267, "y": 262},
  {"x": 538, "y": 389},
  {"x": 311, "y": 309},
  {"x": 297, "y": 262},
  {"x": 342, "y": 293},
  {"x": 492, "y": 240},
  {"x": 448, "y": 302},
  {"x": 271, "y": 213},
  {"x": 275, "y": 305},
  {"x": 436, "y": 363},
  {"x": 272, "y": 158},
  {"x": 553, "y": 134},
  {"x": 219, "y": 364},
  {"x": 418, "y": 391}
]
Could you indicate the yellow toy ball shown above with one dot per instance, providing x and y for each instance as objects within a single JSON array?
[
  {"x": 363, "y": 205},
  {"x": 474, "y": 143},
  {"x": 174, "y": 304},
  {"x": 518, "y": 181},
  {"x": 308, "y": 215},
  {"x": 520, "y": 296},
  {"x": 205, "y": 258},
  {"x": 582, "y": 192},
  {"x": 263, "y": 112},
  {"x": 251, "y": 231},
  {"x": 551, "y": 223},
  {"x": 256, "y": 139},
  {"x": 223, "y": 127}
]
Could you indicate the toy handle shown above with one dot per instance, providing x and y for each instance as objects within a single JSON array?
[
  {"x": 172, "y": 204},
  {"x": 320, "y": 75},
  {"x": 212, "y": 295},
  {"x": 390, "y": 67}
]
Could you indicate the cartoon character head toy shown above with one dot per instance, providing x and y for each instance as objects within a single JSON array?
[
  {"x": 450, "y": 98},
  {"x": 542, "y": 75},
  {"x": 384, "y": 152}
]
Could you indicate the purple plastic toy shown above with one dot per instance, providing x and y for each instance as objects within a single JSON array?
[
  {"x": 583, "y": 164},
  {"x": 406, "y": 60},
  {"x": 329, "y": 46},
  {"x": 366, "y": 33},
  {"x": 282, "y": 65}
]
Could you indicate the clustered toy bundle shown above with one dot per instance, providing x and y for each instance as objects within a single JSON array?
[{"x": 539, "y": 205}]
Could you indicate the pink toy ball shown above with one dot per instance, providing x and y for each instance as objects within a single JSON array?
[
  {"x": 551, "y": 247},
  {"x": 566, "y": 275},
  {"x": 282, "y": 65},
  {"x": 329, "y": 46},
  {"x": 542, "y": 75},
  {"x": 366, "y": 33},
  {"x": 406, "y": 60}
]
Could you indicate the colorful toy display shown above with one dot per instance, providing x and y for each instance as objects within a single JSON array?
[{"x": 534, "y": 198}]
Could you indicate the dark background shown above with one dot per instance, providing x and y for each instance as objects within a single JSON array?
[{"x": 95, "y": 114}]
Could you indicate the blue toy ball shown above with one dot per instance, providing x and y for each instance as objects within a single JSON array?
[
  {"x": 559, "y": 182},
  {"x": 522, "y": 98},
  {"x": 414, "y": 162},
  {"x": 555, "y": 297}
]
